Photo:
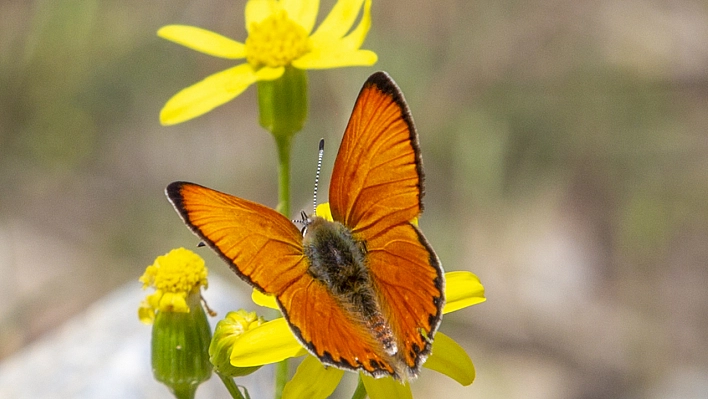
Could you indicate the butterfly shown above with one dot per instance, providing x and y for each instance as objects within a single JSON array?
[{"x": 363, "y": 292}]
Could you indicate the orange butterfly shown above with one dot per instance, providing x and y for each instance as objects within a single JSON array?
[{"x": 364, "y": 292}]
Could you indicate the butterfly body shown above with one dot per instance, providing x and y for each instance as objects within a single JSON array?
[{"x": 363, "y": 292}]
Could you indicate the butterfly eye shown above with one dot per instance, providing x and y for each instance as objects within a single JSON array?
[{"x": 304, "y": 230}]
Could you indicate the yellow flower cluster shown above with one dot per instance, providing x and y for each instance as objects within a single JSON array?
[{"x": 174, "y": 276}]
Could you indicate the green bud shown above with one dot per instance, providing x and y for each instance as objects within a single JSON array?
[
  {"x": 180, "y": 342},
  {"x": 282, "y": 103},
  {"x": 226, "y": 334}
]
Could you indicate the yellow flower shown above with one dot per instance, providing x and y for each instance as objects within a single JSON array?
[
  {"x": 273, "y": 342},
  {"x": 174, "y": 276},
  {"x": 280, "y": 34}
]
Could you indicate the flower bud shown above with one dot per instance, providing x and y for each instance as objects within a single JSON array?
[{"x": 226, "y": 334}]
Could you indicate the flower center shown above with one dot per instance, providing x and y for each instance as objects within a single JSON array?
[{"x": 276, "y": 41}]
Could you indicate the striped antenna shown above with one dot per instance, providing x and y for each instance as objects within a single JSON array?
[{"x": 317, "y": 176}]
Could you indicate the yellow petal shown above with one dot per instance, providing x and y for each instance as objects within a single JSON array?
[
  {"x": 304, "y": 12},
  {"x": 208, "y": 94},
  {"x": 268, "y": 343},
  {"x": 269, "y": 73},
  {"x": 258, "y": 10},
  {"x": 264, "y": 300},
  {"x": 173, "y": 302},
  {"x": 325, "y": 58},
  {"x": 203, "y": 40},
  {"x": 146, "y": 313},
  {"x": 450, "y": 358},
  {"x": 324, "y": 211},
  {"x": 462, "y": 289},
  {"x": 312, "y": 380},
  {"x": 338, "y": 22},
  {"x": 386, "y": 388},
  {"x": 355, "y": 39}
]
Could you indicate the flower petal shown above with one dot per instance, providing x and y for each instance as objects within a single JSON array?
[
  {"x": 264, "y": 300},
  {"x": 312, "y": 380},
  {"x": 450, "y": 358},
  {"x": 323, "y": 58},
  {"x": 213, "y": 91},
  {"x": 203, "y": 40},
  {"x": 338, "y": 22},
  {"x": 355, "y": 39},
  {"x": 173, "y": 302},
  {"x": 258, "y": 10},
  {"x": 304, "y": 12},
  {"x": 386, "y": 388},
  {"x": 324, "y": 211},
  {"x": 269, "y": 73},
  {"x": 462, "y": 289},
  {"x": 268, "y": 343},
  {"x": 146, "y": 313},
  {"x": 208, "y": 94}
]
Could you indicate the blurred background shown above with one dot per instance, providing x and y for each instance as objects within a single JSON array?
[{"x": 565, "y": 146}]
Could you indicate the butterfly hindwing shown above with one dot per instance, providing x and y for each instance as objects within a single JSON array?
[
  {"x": 409, "y": 279},
  {"x": 262, "y": 246},
  {"x": 328, "y": 331}
]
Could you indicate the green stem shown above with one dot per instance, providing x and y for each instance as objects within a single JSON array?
[
  {"x": 283, "y": 142},
  {"x": 360, "y": 392},
  {"x": 281, "y": 377},
  {"x": 231, "y": 386}
]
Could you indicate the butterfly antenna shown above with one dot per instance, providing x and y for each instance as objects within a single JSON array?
[{"x": 317, "y": 176}]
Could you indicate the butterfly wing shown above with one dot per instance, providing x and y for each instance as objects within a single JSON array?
[
  {"x": 378, "y": 171},
  {"x": 262, "y": 246},
  {"x": 376, "y": 190}
]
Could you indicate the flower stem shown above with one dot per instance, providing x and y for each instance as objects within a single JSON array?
[
  {"x": 281, "y": 377},
  {"x": 282, "y": 105},
  {"x": 360, "y": 392},
  {"x": 231, "y": 386},
  {"x": 283, "y": 142}
]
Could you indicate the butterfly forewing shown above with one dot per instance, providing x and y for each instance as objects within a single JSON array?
[
  {"x": 377, "y": 178},
  {"x": 262, "y": 246}
]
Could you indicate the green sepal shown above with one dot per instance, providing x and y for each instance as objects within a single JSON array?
[
  {"x": 180, "y": 348},
  {"x": 282, "y": 102}
]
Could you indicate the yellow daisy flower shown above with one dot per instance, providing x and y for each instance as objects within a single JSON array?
[{"x": 280, "y": 34}]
